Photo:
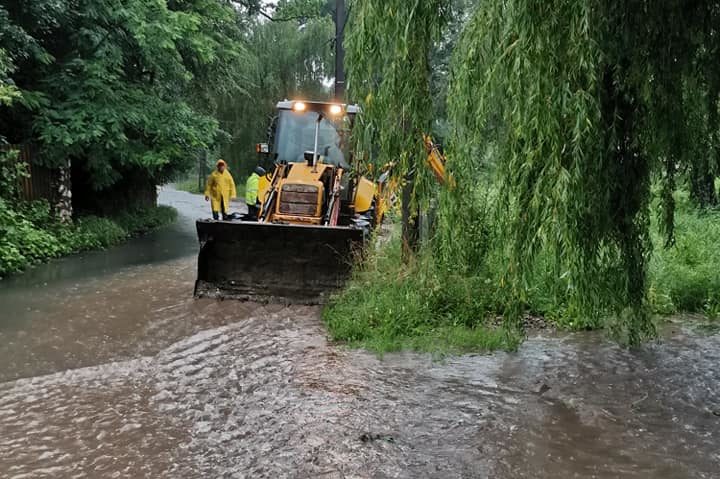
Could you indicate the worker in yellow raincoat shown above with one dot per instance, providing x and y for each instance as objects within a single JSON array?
[{"x": 219, "y": 190}]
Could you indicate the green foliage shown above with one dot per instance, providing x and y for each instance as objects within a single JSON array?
[
  {"x": 144, "y": 221},
  {"x": 575, "y": 107},
  {"x": 439, "y": 304},
  {"x": 11, "y": 172},
  {"x": 21, "y": 243},
  {"x": 390, "y": 306},
  {"x": 441, "y": 63},
  {"x": 291, "y": 59},
  {"x": 684, "y": 277},
  {"x": 461, "y": 245},
  {"x": 29, "y": 234},
  {"x": 561, "y": 88},
  {"x": 120, "y": 86},
  {"x": 8, "y": 91},
  {"x": 91, "y": 232},
  {"x": 388, "y": 60}
]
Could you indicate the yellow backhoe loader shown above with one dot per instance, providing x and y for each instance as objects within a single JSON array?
[
  {"x": 315, "y": 216},
  {"x": 314, "y": 219}
]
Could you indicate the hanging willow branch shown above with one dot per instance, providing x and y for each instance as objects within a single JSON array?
[
  {"x": 567, "y": 90},
  {"x": 580, "y": 103},
  {"x": 388, "y": 46}
]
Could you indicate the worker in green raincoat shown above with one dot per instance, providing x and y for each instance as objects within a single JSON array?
[
  {"x": 251, "y": 192},
  {"x": 219, "y": 190}
]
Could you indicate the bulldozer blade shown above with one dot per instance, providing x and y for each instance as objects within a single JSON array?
[{"x": 274, "y": 262}]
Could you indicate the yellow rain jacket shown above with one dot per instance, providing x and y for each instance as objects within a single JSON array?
[{"x": 221, "y": 189}]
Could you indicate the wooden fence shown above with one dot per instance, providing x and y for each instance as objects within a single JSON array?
[{"x": 41, "y": 182}]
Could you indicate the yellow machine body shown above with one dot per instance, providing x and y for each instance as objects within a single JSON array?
[
  {"x": 301, "y": 191},
  {"x": 314, "y": 218},
  {"x": 300, "y": 194},
  {"x": 264, "y": 185},
  {"x": 365, "y": 194}
]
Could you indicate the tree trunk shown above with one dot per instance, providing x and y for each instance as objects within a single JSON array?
[
  {"x": 410, "y": 225},
  {"x": 702, "y": 184}
]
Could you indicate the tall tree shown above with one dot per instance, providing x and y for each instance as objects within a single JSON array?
[
  {"x": 120, "y": 88},
  {"x": 389, "y": 44},
  {"x": 581, "y": 99},
  {"x": 292, "y": 58}
]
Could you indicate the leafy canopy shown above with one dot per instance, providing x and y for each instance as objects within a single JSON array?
[
  {"x": 120, "y": 86},
  {"x": 292, "y": 58}
]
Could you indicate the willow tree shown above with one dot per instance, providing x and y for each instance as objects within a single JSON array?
[
  {"x": 580, "y": 99},
  {"x": 388, "y": 48},
  {"x": 388, "y": 45},
  {"x": 292, "y": 58}
]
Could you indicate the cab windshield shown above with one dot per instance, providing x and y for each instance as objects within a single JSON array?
[{"x": 296, "y": 135}]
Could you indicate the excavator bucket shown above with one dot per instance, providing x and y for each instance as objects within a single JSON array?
[{"x": 274, "y": 262}]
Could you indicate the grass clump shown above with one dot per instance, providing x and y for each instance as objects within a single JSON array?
[
  {"x": 686, "y": 276},
  {"x": 389, "y": 306}
]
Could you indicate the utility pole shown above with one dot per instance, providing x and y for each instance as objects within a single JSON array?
[{"x": 340, "y": 19}]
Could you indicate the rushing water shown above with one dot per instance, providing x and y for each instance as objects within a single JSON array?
[{"x": 110, "y": 369}]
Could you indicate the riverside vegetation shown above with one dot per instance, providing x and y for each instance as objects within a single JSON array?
[
  {"x": 30, "y": 233},
  {"x": 594, "y": 128},
  {"x": 430, "y": 306}
]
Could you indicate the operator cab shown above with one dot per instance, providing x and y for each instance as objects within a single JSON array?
[
  {"x": 297, "y": 125},
  {"x": 309, "y": 144}
]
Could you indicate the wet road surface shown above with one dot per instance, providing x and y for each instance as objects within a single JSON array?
[{"x": 110, "y": 369}]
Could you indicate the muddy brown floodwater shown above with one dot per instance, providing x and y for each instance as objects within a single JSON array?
[{"x": 109, "y": 368}]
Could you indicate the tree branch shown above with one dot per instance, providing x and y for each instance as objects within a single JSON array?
[{"x": 260, "y": 11}]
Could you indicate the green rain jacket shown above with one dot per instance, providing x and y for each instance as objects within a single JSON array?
[{"x": 251, "y": 189}]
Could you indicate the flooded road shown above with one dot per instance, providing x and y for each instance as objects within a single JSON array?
[{"x": 110, "y": 369}]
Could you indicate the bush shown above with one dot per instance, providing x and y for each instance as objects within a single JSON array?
[
  {"x": 388, "y": 307},
  {"x": 29, "y": 234},
  {"x": 141, "y": 222},
  {"x": 92, "y": 232},
  {"x": 686, "y": 277},
  {"x": 21, "y": 242}
]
